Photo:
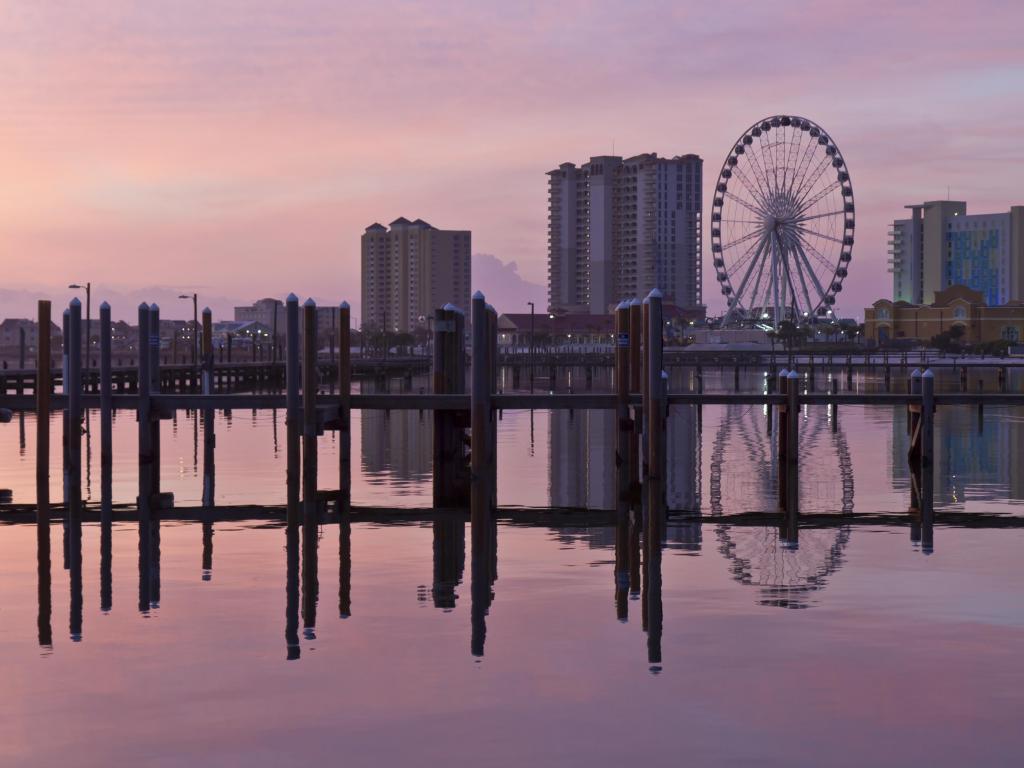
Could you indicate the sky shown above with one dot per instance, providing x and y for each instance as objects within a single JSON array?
[{"x": 238, "y": 148}]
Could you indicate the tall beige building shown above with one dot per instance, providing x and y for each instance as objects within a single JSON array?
[
  {"x": 619, "y": 227},
  {"x": 410, "y": 270}
]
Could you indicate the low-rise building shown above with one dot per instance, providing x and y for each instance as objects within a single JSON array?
[{"x": 886, "y": 321}]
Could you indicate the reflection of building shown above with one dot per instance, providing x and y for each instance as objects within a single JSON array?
[
  {"x": 953, "y": 307},
  {"x": 396, "y": 445},
  {"x": 970, "y": 461},
  {"x": 683, "y": 487},
  {"x": 582, "y": 458},
  {"x": 411, "y": 270},
  {"x": 941, "y": 245},
  {"x": 618, "y": 228}
]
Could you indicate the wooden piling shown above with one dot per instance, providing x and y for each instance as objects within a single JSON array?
[
  {"x": 481, "y": 414},
  {"x": 635, "y": 388},
  {"x": 656, "y": 403},
  {"x": 783, "y": 443},
  {"x": 310, "y": 507},
  {"x": 344, "y": 407},
  {"x": 106, "y": 413},
  {"x": 927, "y": 467},
  {"x": 624, "y": 426},
  {"x": 209, "y": 435},
  {"x": 144, "y": 416},
  {"x": 293, "y": 414},
  {"x": 451, "y": 474}
]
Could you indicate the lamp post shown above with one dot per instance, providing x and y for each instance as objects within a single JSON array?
[
  {"x": 88, "y": 318},
  {"x": 532, "y": 308}
]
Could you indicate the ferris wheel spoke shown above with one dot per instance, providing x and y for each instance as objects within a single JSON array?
[
  {"x": 803, "y": 281},
  {"x": 819, "y": 196},
  {"x": 740, "y": 201},
  {"x": 822, "y": 235},
  {"x": 795, "y": 145},
  {"x": 757, "y": 194},
  {"x": 801, "y": 219},
  {"x": 809, "y": 188},
  {"x": 810, "y": 270},
  {"x": 756, "y": 291},
  {"x": 805, "y": 166},
  {"x": 745, "y": 238},
  {"x": 758, "y": 222},
  {"x": 753, "y": 262}
]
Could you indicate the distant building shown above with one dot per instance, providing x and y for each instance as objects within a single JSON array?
[
  {"x": 268, "y": 312},
  {"x": 410, "y": 270},
  {"x": 618, "y": 228},
  {"x": 941, "y": 245},
  {"x": 11, "y": 328},
  {"x": 886, "y": 320}
]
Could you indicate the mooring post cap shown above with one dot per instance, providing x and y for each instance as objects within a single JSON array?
[
  {"x": 104, "y": 306},
  {"x": 292, "y": 299},
  {"x": 794, "y": 375},
  {"x": 478, "y": 296},
  {"x": 928, "y": 374},
  {"x": 654, "y": 294},
  {"x": 916, "y": 374},
  {"x": 144, "y": 307},
  {"x": 343, "y": 305},
  {"x": 207, "y": 311},
  {"x": 634, "y": 302},
  {"x": 154, "y": 307},
  {"x": 309, "y": 302},
  {"x": 75, "y": 303}
]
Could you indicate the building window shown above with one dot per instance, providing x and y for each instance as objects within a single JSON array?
[
  {"x": 959, "y": 313},
  {"x": 1011, "y": 333}
]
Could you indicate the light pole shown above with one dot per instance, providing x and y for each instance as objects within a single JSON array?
[
  {"x": 88, "y": 318},
  {"x": 532, "y": 308}
]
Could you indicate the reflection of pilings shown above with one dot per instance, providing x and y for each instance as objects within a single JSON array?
[
  {"x": 43, "y": 568},
  {"x": 207, "y": 566},
  {"x": 291, "y": 621},
  {"x": 449, "y": 560},
  {"x": 652, "y": 584},
  {"x": 344, "y": 563}
]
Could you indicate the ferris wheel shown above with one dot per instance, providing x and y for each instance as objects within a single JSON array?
[{"x": 782, "y": 223}]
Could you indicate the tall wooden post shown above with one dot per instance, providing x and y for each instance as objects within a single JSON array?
[
  {"x": 624, "y": 426},
  {"x": 451, "y": 478},
  {"x": 293, "y": 415},
  {"x": 209, "y": 433},
  {"x": 481, "y": 414},
  {"x": 43, "y": 388},
  {"x": 927, "y": 466},
  {"x": 311, "y": 512},
  {"x": 655, "y": 406},
  {"x": 344, "y": 407},
  {"x": 635, "y": 388},
  {"x": 106, "y": 414},
  {"x": 783, "y": 442}
]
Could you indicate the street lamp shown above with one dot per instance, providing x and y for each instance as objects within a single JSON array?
[
  {"x": 88, "y": 318},
  {"x": 531, "y": 344}
]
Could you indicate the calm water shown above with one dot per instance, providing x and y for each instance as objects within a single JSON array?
[{"x": 853, "y": 648}]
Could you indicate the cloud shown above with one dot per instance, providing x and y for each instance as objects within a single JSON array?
[{"x": 504, "y": 287}]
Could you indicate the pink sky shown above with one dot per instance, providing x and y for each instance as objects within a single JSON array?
[{"x": 239, "y": 147}]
